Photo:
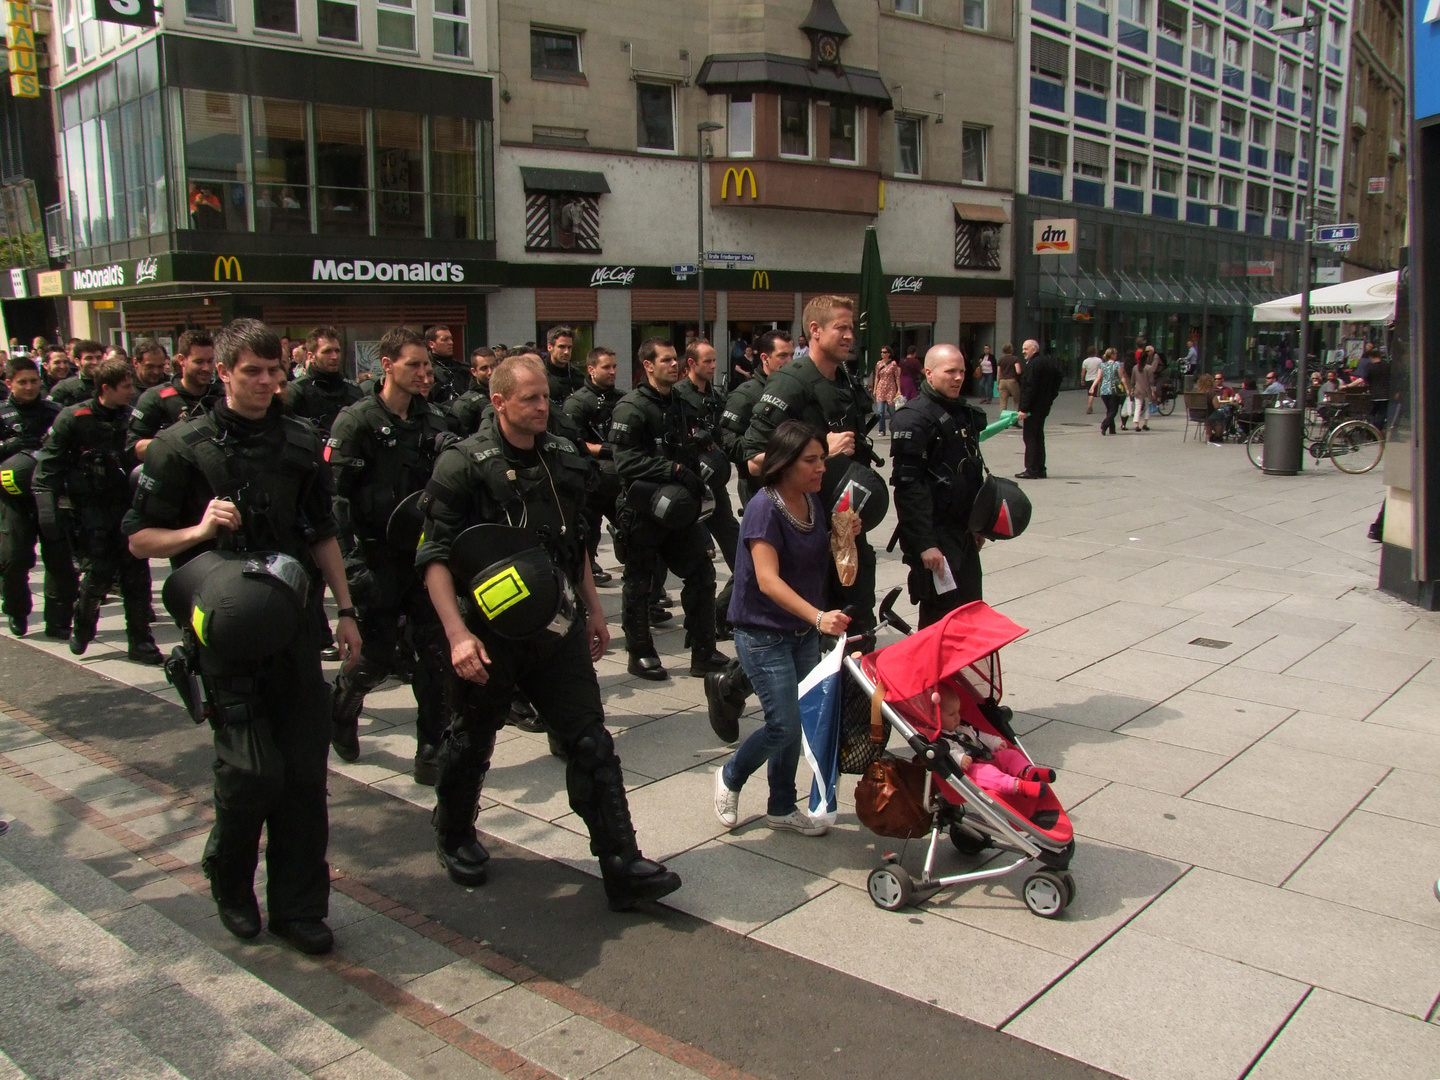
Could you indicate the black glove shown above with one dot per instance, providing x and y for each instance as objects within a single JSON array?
[{"x": 690, "y": 481}]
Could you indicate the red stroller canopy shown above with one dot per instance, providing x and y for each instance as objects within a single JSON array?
[{"x": 918, "y": 662}]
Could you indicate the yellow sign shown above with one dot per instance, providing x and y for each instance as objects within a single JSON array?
[
  {"x": 20, "y": 48},
  {"x": 230, "y": 264},
  {"x": 51, "y": 283},
  {"x": 760, "y": 279},
  {"x": 24, "y": 84},
  {"x": 740, "y": 177},
  {"x": 103, "y": 305},
  {"x": 7, "y": 481},
  {"x": 20, "y": 37},
  {"x": 22, "y": 61},
  {"x": 17, "y": 14},
  {"x": 500, "y": 593}
]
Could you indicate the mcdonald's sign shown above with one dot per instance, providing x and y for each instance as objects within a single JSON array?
[
  {"x": 230, "y": 264},
  {"x": 760, "y": 279},
  {"x": 740, "y": 177}
]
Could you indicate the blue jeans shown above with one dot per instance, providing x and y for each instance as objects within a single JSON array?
[
  {"x": 885, "y": 410},
  {"x": 775, "y": 662}
]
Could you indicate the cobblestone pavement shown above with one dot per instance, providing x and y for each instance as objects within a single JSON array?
[{"x": 1248, "y": 744}]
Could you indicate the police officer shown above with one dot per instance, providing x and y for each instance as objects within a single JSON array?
[
  {"x": 152, "y": 365},
  {"x": 382, "y": 450},
  {"x": 322, "y": 390},
  {"x": 245, "y": 477},
  {"x": 80, "y": 386},
  {"x": 776, "y": 349},
  {"x": 24, "y": 420},
  {"x": 564, "y": 377},
  {"x": 465, "y": 411},
  {"x": 450, "y": 379},
  {"x": 186, "y": 395},
  {"x": 513, "y": 472},
  {"x": 590, "y": 410},
  {"x": 56, "y": 369},
  {"x": 937, "y": 470},
  {"x": 657, "y": 456}
]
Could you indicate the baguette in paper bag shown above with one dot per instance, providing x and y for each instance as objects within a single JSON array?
[{"x": 843, "y": 524}]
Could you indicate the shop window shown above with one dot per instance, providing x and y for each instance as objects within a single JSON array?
[
  {"x": 562, "y": 221},
  {"x": 740, "y": 132},
  {"x": 452, "y": 28},
  {"x": 215, "y": 167},
  {"x": 794, "y": 127},
  {"x": 395, "y": 24},
  {"x": 341, "y": 170},
  {"x": 204, "y": 10},
  {"x": 455, "y": 205},
  {"x": 281, "y": 165},
  {"x": 907, "y": 146},
  {"x": 277, "y": 15},
  {"x": 655, "y": 116},
  {"x": 399, "y": 174},
  {"x": 844, "y": 133},
  {"x": 339, "y": 20},
  {"x": 974, "y": 142},
  {"x": 554, "y": 54}
]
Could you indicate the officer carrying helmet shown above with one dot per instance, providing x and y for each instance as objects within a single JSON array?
[
  {"x": 527, "y": 621},
  {"x": 247, "y": 481},
  {"x": 382, "y": 450}
]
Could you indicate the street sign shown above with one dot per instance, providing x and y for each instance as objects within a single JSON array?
[
  {"x": 1378, "y": 184},
  {"x": 1342, "y": 248},
  {"x": 681, "y": 269},
  {"x": 1331, "y": 234},
  {"x": 730, "y": 256}
]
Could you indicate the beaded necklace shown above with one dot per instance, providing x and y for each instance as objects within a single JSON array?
[{"x": 800, "y": 526}]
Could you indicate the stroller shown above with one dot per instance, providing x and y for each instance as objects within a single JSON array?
[{"x": 962, "y": 649}]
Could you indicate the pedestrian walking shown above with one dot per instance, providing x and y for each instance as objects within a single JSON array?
[
  {"x": 987, "y": 377},
  {"x": 1040, "y": 379},
  {"x": 1127, "y": 380},
  {"x": 1109, "y": 388},
  {"x": 886, "y": 386},
  {"x": 1008, "y": 371},
  {"x": 1142, "y": 390},
  {"x": 911, "y": 373},
  {"x": 1089, "y": 368}
]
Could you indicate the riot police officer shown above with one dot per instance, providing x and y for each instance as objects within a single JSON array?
[
  {"x": 382, "y": 450},
  {"x": 56, "y": 369},
  {"x": 80, "y": 386},
  {"x": 24, "y": 420},
  {"x": 82, "y": 487},
  {"x": 697, "y": 389},
  {"x": 937, "y": 470},
  {"x": 560, "y": 370},
  {"x": 189, "y": 393},
  {"x": 450, "y": 379},
  {"x": 152, "y": 365},
  {"x": 465, "y": 411},
  {"x": 590, "y": 410},
  {"x": 819, "y": 390},
  {"x": 658, "y": 441},
  {"x": 774, "y": 350},
  {"x": 245, "y": 477},
  {"x": 525, "y": 488},
  {"x": 322, "y": 390}
]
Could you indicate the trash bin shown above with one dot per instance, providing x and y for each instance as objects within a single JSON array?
[{"x": 1283, "y": 441}]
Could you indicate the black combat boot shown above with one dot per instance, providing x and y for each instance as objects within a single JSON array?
[
  {"x": 143, "y": 650},
  {"x": 82, "y": 628},
  {"x": 346, "y": 703},
  {"x": 460, "y": 772}
]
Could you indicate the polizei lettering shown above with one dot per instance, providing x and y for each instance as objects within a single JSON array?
[
  {"x": 364, "y": 270},
  {"x": 103, "y": 277}
]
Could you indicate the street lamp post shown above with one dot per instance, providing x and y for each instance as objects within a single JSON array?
[
  {"x": 703, "y": 128},
  {"x": 1310, "y": 21}
]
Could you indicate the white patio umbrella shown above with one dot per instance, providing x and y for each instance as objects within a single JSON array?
[{"x": 1366, "y": 300}]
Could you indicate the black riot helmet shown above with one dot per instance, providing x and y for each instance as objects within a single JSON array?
[
  {"x": 16, "y": 474},
  {"x": 509, "y": 584},
  {"x": 242, "y": 607},
  {"x": 1001, "y": 510},
  {"x": 866, "y": 491},
  {"x": 407, "y": 521},
  {"x": 671, "y": 506}
]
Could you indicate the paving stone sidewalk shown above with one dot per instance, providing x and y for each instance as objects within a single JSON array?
[{"x": 1248, "y": 744}]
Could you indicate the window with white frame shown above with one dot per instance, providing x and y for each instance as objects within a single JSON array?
[
  {"x": 1259, "y": 131},
  {"x": 1132, "y": 10},
  {"x": 795, "y": 127},
  {"x": 276, "y": 15},
  {"x": 1170, "y": 19},
  {"x": 1234, "y": 50},
  {"x": 1130, "y": 86},
  {"x": 1202, "y": 35},
  {"x": 1281, "y": 203},
  {"x": 1327, "y": 155},
  {"x": 1230, "y": 191},
  {"x": 907, "y": 145},
  {"x": 1202, "y": 110},
  {"x": 1166, "y": 179},
  {"x": 1332, "y": 95},
  {"x": 1197, "y": 185},
  {"x": 339, "y": 20},
  {"x": 974, "y": 14},
  {"x": 1048, "y": 149},
  {"x": 68, "y": 19},
  {"x": 451, "y": 28},
  {"x": 1092, "y": 72},
  {"x": 1232, "y": 121},
  {"x": 1129, "y": 170},
  {"x": 1090, "y": 159},
  {"x": 1169, "y": 99},
  {"x": 554, "y": 54},
  {"x": 907, "y": 7},
  {"x": 973, "y": 146},
  {"x": 395, "y": 24},
  {"x": 844, "y": 133},
  {"x": 655, "y": 116},
  {"x": 1257, "y": 198},
  {"x": 740, "y": 131},
  {"x": 1050, "y": 59},
  {"x": 1289, "y": 73},
  {"x": 204, "y": 10}
]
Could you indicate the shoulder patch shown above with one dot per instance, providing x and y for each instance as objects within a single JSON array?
[
  {"x": 169, "y": 391},
  {"x": 478, "y": 456},
  {"x": 777, "y": 402},
  {"x": 81, "y": 412},
  {"x": 331, "y": 445}
]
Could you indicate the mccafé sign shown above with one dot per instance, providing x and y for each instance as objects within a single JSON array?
[{"x": 20, "y": 44}]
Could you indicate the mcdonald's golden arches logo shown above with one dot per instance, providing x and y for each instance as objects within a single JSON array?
[
  {"x": 230, "y": 264},
  {"x": 760, "y": 279},
  {"x": 740, "y": 177}
]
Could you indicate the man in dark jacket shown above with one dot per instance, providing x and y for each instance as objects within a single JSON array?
[
  {"x": 1040, "y": 378},
  {"x": 322, "y": 390},
  {"x": 80, "y": 386}
]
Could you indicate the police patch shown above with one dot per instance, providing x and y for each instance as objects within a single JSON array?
[
  {"x": 146, "y": 482},
  {"x": 771, "y": 399},
  {"x": 615, "y": 425},
  {"x": 330, "y": 446}
]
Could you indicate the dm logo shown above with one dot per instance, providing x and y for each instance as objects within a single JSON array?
[{"x": 1054, "y": 236}]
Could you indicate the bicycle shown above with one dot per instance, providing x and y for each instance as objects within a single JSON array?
[
  {"x": 1165, "y": 396},
  {"x": 1354, "y": 446}
]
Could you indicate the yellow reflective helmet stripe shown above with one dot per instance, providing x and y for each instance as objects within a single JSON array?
[{"x": 197, "y": 623}]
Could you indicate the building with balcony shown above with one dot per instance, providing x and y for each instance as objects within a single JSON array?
[
  {"x": 301, "y": 161},
  {"x": 1175, "y": 135},
  {"x": 831, "y": 117}
]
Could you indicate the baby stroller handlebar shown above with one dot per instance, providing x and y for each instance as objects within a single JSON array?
[{"x": 887, "y": 612}]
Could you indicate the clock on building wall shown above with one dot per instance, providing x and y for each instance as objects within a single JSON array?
[{"x": 827, "y": 34}]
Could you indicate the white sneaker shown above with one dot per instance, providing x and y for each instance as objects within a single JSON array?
[
  {"x": 797, "y": 821},
  {"x": 727, "y": 802}
]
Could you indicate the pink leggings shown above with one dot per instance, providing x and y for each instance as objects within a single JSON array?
[{"x": 1000, "y": 773}]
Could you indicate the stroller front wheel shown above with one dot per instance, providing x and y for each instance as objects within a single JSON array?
[
  {"x": 891, "y": 887},
  {"x": 1046, "y": 894}
]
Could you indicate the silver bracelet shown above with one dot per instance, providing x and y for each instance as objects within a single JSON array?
[{"x": 818, "y": 616}]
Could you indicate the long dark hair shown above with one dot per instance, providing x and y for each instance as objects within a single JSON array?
[{"x": 784, "y": 449}]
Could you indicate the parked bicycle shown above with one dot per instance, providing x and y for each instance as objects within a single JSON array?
[
  {"x": 1355, "y": 446},
  {"x": 1165, "y": 395}
]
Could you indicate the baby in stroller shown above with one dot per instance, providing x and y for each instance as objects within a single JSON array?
[{"x": 988, "y": 759}]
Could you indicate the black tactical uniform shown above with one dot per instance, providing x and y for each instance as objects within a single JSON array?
[
  {"x": 937, "y": 470},
  {"x": 590, "y": 410},
  {"x": 722, "y": 526},
  {"x": 82, "y": 488},
  {"x": 734, "y": 422},
  {"x": 169, "y": 403},
  {"x": 464, "y": 413},
  {"x": 798, "y": 391},
  {"x": 564, "y": 381},
  {"x": 318, "y": 396},
  {"x": 272, "y": 470},
  {"x": 486, "y": 480},
  {"x": 654, "y": 437},
  {"x": 73, "y": 391},
  {"x": 379, "y": 459},
  {"x": 22, "y": 429},
  {"x": 47, "y": 384},
  {"x": 451, "y": 379}
]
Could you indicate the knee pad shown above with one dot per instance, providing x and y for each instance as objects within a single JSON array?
[{"x": 592, "y": 747}]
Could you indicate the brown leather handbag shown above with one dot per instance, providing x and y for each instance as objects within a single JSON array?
[{"x": 890, "y": 797}]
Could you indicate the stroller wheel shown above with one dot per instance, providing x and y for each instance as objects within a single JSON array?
[
  {"x": 890, "y": 887},
  {"x": 1069, "y": 888},
  {"x": 967, "y": 841},
  {"x": 1046, "y": 894}
]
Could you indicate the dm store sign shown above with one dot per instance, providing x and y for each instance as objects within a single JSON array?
[{"x": 1054, "y": 236}]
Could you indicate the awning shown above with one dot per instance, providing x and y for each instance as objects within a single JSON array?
[
  {"x": 586, "y": 183},
  {"x": 768, "y": 71},
  {"x": 1366, "y": 300},
  {"x": 969, "y": 211}
]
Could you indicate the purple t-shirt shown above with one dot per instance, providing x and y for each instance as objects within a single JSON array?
[{"x": 804, "y": 564}]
